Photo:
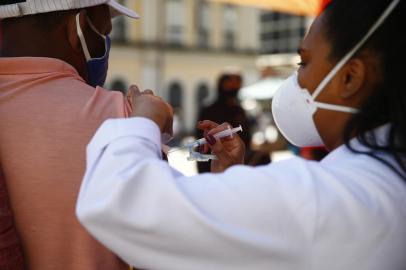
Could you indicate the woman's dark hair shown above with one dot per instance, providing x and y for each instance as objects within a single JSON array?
[{"x": 346, "y": 22}]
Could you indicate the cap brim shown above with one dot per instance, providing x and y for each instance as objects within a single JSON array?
[{"x": 118, "y": 9}]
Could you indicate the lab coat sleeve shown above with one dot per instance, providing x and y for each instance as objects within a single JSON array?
[{"x": 155, "y": 218}]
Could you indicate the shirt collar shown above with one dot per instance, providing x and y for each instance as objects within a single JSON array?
[
  {"x": 35, "y": 65},
  {"x": 381, "y": 134}
]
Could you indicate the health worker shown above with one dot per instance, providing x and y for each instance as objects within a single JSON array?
[{"x": 346, "y": 212}]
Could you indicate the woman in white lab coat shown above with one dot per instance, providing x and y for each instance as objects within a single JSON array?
[{"x": 346, "y": 212}]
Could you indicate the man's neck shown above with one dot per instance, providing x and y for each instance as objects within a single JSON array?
[{"x": 40, "y": 49}]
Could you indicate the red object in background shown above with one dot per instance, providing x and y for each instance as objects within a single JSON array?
[
  {"x": 323, "y": 4},
  {"x": 314, "y": 153}
]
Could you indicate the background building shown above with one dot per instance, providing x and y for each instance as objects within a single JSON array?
[
  {"x": 281, "y": 33},
  {"x": 179, "y": 47}
]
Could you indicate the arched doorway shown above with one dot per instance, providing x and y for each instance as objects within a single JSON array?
[
  {"x": 175, "y": 95},
  {"x": 175, "y": 98}
]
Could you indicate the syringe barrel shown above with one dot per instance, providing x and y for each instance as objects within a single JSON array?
[
  {"x": 222, "y": 134},
  {"x": 228, "y": 132}
]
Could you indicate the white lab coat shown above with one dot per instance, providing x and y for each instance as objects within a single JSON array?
[{"x": 345, "y": 213}]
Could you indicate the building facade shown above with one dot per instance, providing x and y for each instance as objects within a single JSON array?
[
  {"x": 179, "y": 47},
  {"x": 281, "y": 33}
]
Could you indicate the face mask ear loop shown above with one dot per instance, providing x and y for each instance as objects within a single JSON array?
[
  {"x": 97, "y": 32},
  {"x": 337, "y": 108},
  {"x": 82, "y": 38},
  {"x": 334, "y": 71}
]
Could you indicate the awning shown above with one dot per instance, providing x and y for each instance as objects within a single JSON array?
[
  {"x": 262, "y": 90},
  {"x": 298, "y": 7}
]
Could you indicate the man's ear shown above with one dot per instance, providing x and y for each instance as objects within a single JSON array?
[
  {"x": 353, "y": 78},
  {"x": 72, "y": 32}
]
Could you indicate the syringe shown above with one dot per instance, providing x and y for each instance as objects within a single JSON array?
[{"x": 222, "y": 134}]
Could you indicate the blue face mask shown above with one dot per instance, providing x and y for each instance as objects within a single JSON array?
[{"x": 96, "y": 67}]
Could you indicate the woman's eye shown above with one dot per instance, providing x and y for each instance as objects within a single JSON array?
[{"x": 301, "y": 64}]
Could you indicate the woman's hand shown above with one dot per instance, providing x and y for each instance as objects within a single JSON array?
[
  {"x": 147, "y": 105},
  {"x": 229, "y": 151}
]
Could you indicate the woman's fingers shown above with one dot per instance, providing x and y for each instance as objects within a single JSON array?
[
  {"x": 220, "y": 151},
  {"x": 204, "y": 149},
  {"x": 220, "y": 128},
  {"x": 229, "y": 150},
  {"x": 212, "y": 128},
  {"x": 207, "y": 125}
]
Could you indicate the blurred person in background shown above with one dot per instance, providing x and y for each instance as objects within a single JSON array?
[
  {"x": 54, "y": 60},
  {"x": 227, "y": 108}
]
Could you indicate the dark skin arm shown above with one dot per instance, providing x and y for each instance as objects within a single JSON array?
[{"x": 230, "y": 151}]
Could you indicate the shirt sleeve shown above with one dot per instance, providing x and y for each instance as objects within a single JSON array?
[{"x": 155, "y": 218}]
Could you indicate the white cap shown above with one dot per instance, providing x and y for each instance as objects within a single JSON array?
[{"x": 18, "y": 8}]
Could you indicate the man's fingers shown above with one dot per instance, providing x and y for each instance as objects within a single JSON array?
[
  {"x": 148, "y": 92},
  {"x": 134, "y": 91}
]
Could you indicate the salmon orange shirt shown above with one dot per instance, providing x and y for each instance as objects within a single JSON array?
[{"x": 48, "y": 114}]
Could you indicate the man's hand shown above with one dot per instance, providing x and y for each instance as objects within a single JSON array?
[
  {"x": 229, "y": 151},
  {"x": 147, "y": 105}
]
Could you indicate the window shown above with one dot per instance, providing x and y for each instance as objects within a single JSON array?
[
  {"x": 175, "y": 18},
  {"x": 230, "y": 19},
  {"x": 203, "y": 23},
  {"x": 282, "y": 33},
  {"x": 202, "y": 95}
]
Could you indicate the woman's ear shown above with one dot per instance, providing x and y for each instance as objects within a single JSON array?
[
  {"x": 353, "y": 78},
  {"x": 72, "y": 31}
]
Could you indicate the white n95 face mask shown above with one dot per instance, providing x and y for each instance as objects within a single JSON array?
[
  {"x": 293, "y": 114},
  {"x": 293, "y": 107}
]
